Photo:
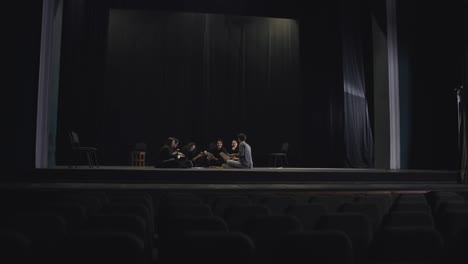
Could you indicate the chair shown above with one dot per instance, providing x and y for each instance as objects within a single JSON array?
[
  {"x": 77, "y": 149},
  {"x": 279, "y": 157},
  {"x": 138, "y": 158},
  {"x": 138, "y": 155}
]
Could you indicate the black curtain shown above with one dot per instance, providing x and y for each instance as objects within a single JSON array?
[
  {"x": 464, "y": 162},
  {"x": 200, "y": 77},
  {"x": 359, "y": 146}
]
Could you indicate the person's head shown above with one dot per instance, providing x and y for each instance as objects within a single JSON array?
[
  {"x": 241, "y": 137},
  {"x": 190, "y": 147},
  {"x": 176, "y": 142},
  {"x": 219, "y": 143},
  {"x": 170, "y": 142},
  {"x": 234, "y": 143}
]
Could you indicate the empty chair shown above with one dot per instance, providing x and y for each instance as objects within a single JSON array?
[
  {"x": 356, "y": 225},
  {"x": 279, "y": 158},
  {"x": 237, "y": 216},
  {"x": 138, "y": 155},
  {"x": 211, "y": 248},
  {"x": 77, "y": 149},
  {"x": 102, "y": 247},
  {"x": 308, "y": 214},
  {"x": 331, "y": 247},
  {"x": 409, "y": 219},
  {"x": 220, "y": 204},
  {"x": 408, "y": 245}
]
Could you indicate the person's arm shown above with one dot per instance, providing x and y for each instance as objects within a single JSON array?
[
  {"x": 241, "y": 150},
  {"x": 198, "y": 156}
]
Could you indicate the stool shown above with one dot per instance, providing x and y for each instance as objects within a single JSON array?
[{"x": 138, "y": 158}]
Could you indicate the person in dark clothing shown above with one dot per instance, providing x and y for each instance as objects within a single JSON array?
[
  {"x": 168, "y": 155},
  {"x": 215, "y": 159},
  {"x": 234, "y": 149},
  {"x": 191, "y": 154}
]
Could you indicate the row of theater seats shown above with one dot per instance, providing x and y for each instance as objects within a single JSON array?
[{"x": 112, "y": 226}]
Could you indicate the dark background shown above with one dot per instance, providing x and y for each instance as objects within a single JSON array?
[{"x": 431, "y": 32}]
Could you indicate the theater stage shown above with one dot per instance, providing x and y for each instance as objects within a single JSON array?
[{"x": 147, "y": 175}]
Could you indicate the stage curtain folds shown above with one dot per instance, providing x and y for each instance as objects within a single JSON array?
[{"x": 359, "y": 149}]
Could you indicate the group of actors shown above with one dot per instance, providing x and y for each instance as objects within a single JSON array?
[{"x": 239, "y": 155}]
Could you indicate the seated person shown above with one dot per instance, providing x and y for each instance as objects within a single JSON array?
[
  {"x": 168, "y": 155},
  {"x": 233, "y": 151},
  {"x": 197, "y": 159},
  {"x": 214, "y": 157},
  {"x": 245, "y": 155}
]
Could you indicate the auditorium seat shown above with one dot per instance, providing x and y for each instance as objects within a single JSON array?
[
  {"x": 435, "y": 198},
  {"x": 15, "y": 247},
  {"x": 384, "y": 201},
  {"x": 308, "y": 214},
  {"x": 409, "y": 219},
  {"x": 182, "y": 225},
  {"x": 456, "y": 250},
  {"x": 119, "y": 223},
  {"x": 236, "y": 216},
  {"x": 74, "y": 213},
  {"x": 408, "y": 245},
  {"x": 355, "y": 225},
  {"x": 102, "y": 247},
  {"x": 373, "y": 211},
  {"x": 333, "y": 202},
  {"x": 45, "y": 231},
  {"x": 413, "y": 207},
  {"x": 448, "y": 206},
  {"x": 211, "y": 248},
  {"x": 331, "y": 247},
  {"x": 221, "y": 203},
  {"x": 186, "y": 210},
  {"x": 130, "y": 209},
  {"x": 452, "y": 223},
  {"x": 180, "y": 198},
  {"x": 135, "y": 198},
  {"x": 412, "y": 198},
  {"x": 278, "y": 203},
  {"x": 265, "y": 231}
]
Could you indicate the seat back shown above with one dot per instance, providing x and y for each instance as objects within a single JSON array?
[
  {"x": 74, "y": 139},
  {"x": 285, "y": 147}
]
